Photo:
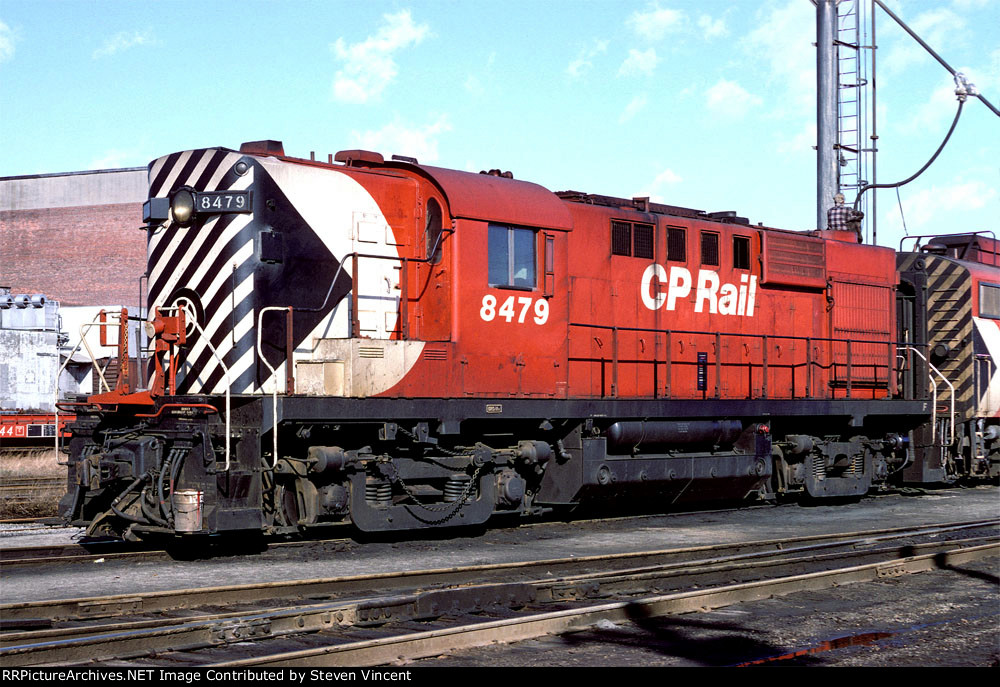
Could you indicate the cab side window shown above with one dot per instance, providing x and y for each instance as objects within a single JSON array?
[
  {"x": 512, "y": 257},
  {"x": 432, "y": 232},
  {"x": 989, "y": 301}
]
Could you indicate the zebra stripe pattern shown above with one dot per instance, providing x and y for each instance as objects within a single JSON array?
[
  {"x": 214, "y": 261},
  {"x": 949, "y": 322}
]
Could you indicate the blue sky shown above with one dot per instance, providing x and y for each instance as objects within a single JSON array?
[{"x": 705, "y": 104}]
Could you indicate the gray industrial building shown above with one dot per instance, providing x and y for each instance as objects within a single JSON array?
[{"x": 29, "y": 351}]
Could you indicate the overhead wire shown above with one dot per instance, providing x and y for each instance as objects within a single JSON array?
[
  {"x": 920, "y": 171},
  {"x": 937, "y": 57}
]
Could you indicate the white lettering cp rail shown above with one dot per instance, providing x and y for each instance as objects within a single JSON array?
[{"x": 719, "y": 297}]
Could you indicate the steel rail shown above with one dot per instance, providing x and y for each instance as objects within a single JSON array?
[
  {"x": 419, "y": 645},
  {"x": 64, "y": 553},
  {"x": 117, "y": 604},
  {"x": 28, "y": 527},
  {"x": 127, "y": 640},
  {"x": 20, "y": 489},
  {"x": 550, "y": 589},
  {"x": 90, "y": 607},
  {"x": 32, "y": 481},
  {"x": 75, "y": 553}
]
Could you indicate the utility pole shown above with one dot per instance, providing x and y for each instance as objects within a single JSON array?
[{"x": 826, "y": 108}]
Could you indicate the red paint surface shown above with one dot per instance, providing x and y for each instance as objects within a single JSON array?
[{"x": 599, "y": 339}]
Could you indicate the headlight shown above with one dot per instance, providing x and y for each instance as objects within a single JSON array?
[{"x": 182, "y": 206}]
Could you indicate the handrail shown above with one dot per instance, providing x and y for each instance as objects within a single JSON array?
[
  {"x": 403, "y": 314},
  {"x": 983, "y": 357},
  {"x": 403, "y": 283},
  {"x": 83, "y": 341},
  {"x": 289, "y": 363},
  {"x": 403, "y": 287},
  {"x": 744, "y": 334},
  {"x": 983, "y": 232},
  {"x": 355, "y": 258},
  {"x": 934, "y": 384},
  {"x": 289, "y": 376},
  {"x": 766, "y": 339},
  {"x": 225, "y": 369}
]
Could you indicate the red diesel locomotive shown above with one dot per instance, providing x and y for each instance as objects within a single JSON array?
[{"x": 403, "y": 346}]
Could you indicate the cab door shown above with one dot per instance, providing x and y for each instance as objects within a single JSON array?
[{"x": 431, "y": 281}]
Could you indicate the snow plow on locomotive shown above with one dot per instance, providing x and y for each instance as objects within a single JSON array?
[{"x": 403, "y": 346}]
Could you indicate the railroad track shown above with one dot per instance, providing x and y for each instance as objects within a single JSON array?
[
  {"x": 415, "y": 614},
  {"x": 47, "y": 521},
  {"x": 26, "y": 488},
  {"x": 22, "y": 482},
  {"x": 82, "y": 553},
  {"x": 57, "y": 554},
  {"x": 19, "y": 527}
]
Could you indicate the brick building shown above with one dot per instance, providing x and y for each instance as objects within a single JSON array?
[{"x": 74, "y": 237}]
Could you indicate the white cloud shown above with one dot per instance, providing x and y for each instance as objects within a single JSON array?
[
  {"x": 712, "y": 28},
  {"x": 729, "y": 99},
  {"x": 802, "y": 142},
  {"x": 633, "y": 108},
  {"x": 936, "y": 27},
  {"x": 937, "y": 111},
  {"x": 474, "y": 86},
  {"x": 930, "y": 209},
  {"x": 933, "y": 114},
  {"x": 971, "y": 4},
  {"x": 639, "y": 62},
  {"x": 655, "y": 22},
  {"x": 985, "y": 79},
  {"x": 582, "y": 63},
  {"x": 784, "y": 39},
  {"x": 402, "y": 138},
  {"x": 369, "y": 65},
  {"x": 116, "y": 158},
  {"x": 121, "y": 41},
  {"x": 7, "y": 41},
  {"x": 667, "y": 176},
  {"x": 655, "y": 190}
]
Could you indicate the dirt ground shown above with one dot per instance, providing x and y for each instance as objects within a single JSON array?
[{"x": 942, "y": 618}]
